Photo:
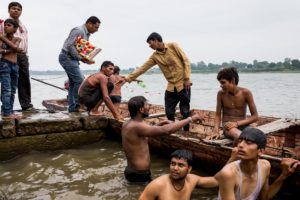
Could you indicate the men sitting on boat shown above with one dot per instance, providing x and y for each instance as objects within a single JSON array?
[
  {"x": 248, "y": 177},
  {"x": 232, "y": 104},
  {"x": 96, "y": 88},
  {"x": 179, "y": 183},
  {"x": 135, "y": 133}
]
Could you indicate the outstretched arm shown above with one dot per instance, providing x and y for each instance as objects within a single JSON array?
[
  {"x": 207, "y": 182},
  {"x": 146, "y": 130}
]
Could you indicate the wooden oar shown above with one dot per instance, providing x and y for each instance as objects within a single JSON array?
[{"x": 48, "y": 84}]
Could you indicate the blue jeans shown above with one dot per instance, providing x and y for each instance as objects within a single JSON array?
[
  {"x": 75, "y": 76},
  {"x": 9, "y": 73}
]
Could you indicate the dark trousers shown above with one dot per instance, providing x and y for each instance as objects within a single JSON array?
[
  {"x": 24, "y": 88},
  {"x": 171, "y": 101}
]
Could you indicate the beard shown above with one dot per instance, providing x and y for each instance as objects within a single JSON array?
[{"x": 145, "y": 115}]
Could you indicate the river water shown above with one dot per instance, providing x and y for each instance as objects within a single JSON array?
[{"x": 96, "y": 171}]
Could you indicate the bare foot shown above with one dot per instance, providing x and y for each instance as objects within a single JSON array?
[
  {"x": 12, "y": 116},
  {"x": 95, "y": 113}
]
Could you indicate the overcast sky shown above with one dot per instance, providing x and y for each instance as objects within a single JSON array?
[{"x": 213, "y": 31}]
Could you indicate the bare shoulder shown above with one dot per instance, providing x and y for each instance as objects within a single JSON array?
[
  {"x": 245, "y": 91},
  {"x": 228, "y": 172},
  {"x": 265, "y": 164},
  {"x": 160, "y": 181}
]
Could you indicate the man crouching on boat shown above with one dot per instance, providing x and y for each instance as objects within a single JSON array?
[
  {"x": 248, "y": 178},
  {"x": 135, "y": 133},
  {"x": 96, "y": 88}
]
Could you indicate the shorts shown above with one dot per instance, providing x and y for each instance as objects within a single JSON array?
[
  {"x": 116, "y": 99},
  {"x": 137, "y": 176}
]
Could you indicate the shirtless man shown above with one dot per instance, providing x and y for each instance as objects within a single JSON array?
[
  {"x": 96, "y": 88},
  {"x": 115, "y": 95},
  {"x": 248, "y": 178},
  {"x": 232, "y": 104},
  {"x": 179, "y": 183},
  {"x": 9, "y": 69},
  {"x": 135, "y": 133}
]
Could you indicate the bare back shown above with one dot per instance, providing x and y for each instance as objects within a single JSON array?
[
  {"x": 117, "y": 87},
  {"x": 135, "y": 146}
]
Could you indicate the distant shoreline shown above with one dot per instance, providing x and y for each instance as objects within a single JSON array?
[{"x": 57, "y": 72}]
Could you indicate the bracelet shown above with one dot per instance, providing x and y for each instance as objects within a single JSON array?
[
  {"x": 191, "y": 120},
  {"x": 237, "y": 124},
  {"x": 4, "y": 50}
]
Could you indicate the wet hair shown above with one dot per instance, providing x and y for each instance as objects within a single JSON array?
[
  {"x": 229, "y": 74},
  {"x": 106, "y": 64},
  {"x": 183, "y": 154},
  {"x": 154, "y": 36},
  {"x": 12, "y": 22},
  {"x": 116, "y": 69},
  {"x": 254, "y": 135},
  {"x": 134, "y": 105},
  {"x": 14, "y": 3},
  {"x": 93, "y": 20}
]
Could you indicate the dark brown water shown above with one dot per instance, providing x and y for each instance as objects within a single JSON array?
[{"x": 90, "y": 172}]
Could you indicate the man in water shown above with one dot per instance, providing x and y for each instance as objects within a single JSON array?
[
  {"x": 248, "y": 177},
  {"x": 232, "y": 102},
  {"x": 96, "y": 88},
  {"x": 135, "y": 133},
  {"x": 179, "y": 183}
]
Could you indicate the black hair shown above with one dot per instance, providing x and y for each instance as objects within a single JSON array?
[
  {"x": 12, "y": 22},
  {"x": 93, "y": 20},
  {"x": 229, "y": 74},
  {"x": 134, "y": 105},
  {"x": 14, "y": 3},
  {"x": 116, "y": 69},
  {"x": 154, "y": 36},
  {"x": 185, "y": 154},
  {"x": 105, "y": 64}
]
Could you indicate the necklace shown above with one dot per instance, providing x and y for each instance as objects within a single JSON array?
[{"x": 179, "y": 189}]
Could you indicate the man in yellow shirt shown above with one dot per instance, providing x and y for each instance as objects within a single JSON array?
[{"x": 176, "y": 68}]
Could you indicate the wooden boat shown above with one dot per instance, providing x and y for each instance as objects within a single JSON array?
[
  {"x": 283, "y": 139},
  {"x": 55, "y": 104}
]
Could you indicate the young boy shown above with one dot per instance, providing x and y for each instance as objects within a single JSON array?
[
  {"x": 232, "y": 102},
  {"x": 115, "y": 95},
  {"x": 9, "y": 70}
]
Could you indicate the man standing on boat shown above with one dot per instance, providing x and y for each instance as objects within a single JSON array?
[
  {"x": 24, "y": 87},
  {"x": 69, "y": 59},
  {"x": 135, "y": 133},
  {"x": 176, "y": 68},
  {"x": 232, "y": 102},
  {"x": 248, "y": 177},
  {"x": 179, "y": 183}
]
